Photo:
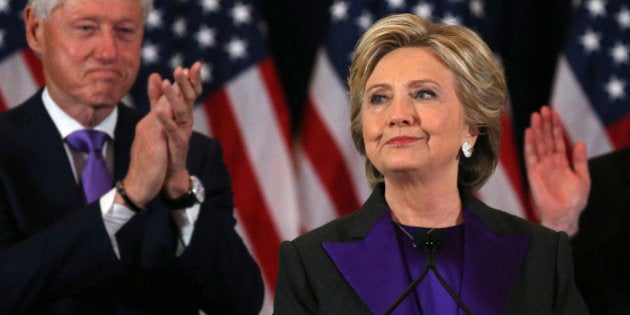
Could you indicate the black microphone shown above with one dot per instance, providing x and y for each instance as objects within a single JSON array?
[{"x": 429, "y": 247}]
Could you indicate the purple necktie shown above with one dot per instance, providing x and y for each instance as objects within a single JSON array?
[{"x": 95, "y": 177}]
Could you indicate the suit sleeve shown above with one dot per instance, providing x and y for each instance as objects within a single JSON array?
[
  {"x": 293, "y": 293},
  {"x": 216, "y": 262},
  {"x": 568, "y": 299},
  {"x": 71, "y": 256}
]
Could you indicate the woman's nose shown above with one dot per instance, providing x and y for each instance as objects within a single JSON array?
[{"x": 402, "y": 112}]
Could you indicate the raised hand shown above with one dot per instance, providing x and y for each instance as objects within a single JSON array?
[{"x": 559, "y": 186}]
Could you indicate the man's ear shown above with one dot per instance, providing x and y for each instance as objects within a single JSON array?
[{"x": 34, "y": 29}]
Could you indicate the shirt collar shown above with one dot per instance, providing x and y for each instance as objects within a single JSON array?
[{"x": 67, "y": 125}]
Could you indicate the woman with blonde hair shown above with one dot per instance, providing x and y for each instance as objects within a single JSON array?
[{"x": 426, "y": 103}]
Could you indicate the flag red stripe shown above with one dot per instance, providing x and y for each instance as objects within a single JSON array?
[
  {"x": 248, "y": 198},
  {"x": 274, "y": 90},
  {"x": 3, "y": 105},
  {"x": 35, "y": 66},
  {"x": 322, "y": 151},
  {"x": 619, "y": 132},
  {"x": 510, "y": 163}
]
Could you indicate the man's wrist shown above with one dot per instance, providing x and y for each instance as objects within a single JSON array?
[
  {"x": 177, "y": 185},
  {"x": 126, "y": 200},
  {"x": 194, "y": 195}
]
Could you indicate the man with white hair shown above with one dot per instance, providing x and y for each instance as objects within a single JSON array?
[{"x": 103, "y": 210}]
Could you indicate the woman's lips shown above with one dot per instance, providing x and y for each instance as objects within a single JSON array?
[{"x": 402, "y": 140}]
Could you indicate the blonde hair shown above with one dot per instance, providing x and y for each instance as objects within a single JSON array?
[{"x": 479, "y": 83}]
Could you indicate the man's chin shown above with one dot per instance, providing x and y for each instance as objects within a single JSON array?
[
  {"x": 101, "y": 103},
  {"x": 105, "y": 99}
]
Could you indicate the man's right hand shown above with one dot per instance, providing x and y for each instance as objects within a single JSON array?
[{"x": 149, "y": 152}]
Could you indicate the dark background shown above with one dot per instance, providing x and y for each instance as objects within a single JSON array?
[{"x": 532, "y": 37}]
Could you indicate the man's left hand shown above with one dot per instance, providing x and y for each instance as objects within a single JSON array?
[{"x": 180, "y": 97}]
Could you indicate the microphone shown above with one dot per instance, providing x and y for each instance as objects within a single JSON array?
[{"x": 429, "y": 247}]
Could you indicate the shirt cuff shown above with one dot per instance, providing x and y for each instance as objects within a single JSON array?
[
  {"x": 185, "y": 220},
  {"x": 114, "y": 217}
]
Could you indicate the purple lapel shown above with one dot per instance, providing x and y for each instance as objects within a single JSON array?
[
  {"x": 491, "y": 266},
  {"x": 374, "y": 267}
]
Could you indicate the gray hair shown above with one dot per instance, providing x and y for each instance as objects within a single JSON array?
[{"x": 43, "y": 8}]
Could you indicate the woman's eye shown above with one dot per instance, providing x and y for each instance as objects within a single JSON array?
[
  {"x": 425, "y": 94},
  {"x": 377, "y": 99}
]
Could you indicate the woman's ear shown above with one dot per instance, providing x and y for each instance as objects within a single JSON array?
[{"x": 473, "y": 132}]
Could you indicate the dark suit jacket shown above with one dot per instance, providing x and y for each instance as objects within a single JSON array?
[
  {"x": 56, "y": 257},
  {"x": 353, "y": 265},
  {"x": 602, "y": 244}
]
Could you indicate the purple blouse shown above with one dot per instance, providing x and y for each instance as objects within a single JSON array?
[{"x": 430, "y": 296}]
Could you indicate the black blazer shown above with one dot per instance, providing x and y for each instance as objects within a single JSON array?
[
  {"x": 56, "y": 257},
  {"x": 353, "y": 265},
  {"x": 602, "y": 244}
]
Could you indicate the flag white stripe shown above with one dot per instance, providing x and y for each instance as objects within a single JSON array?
[
  {"x": 266, "y": 148},
  {"x": 331, "y": 103},
  {"x": 577, "y": 113},
  {"x": 499, "y": 193},
  {"x": 316, "y": 207},
  {"x": 18, "y": 83},
  {"x": 267, "y": 307},
  {"x": 201, "y": 121}
]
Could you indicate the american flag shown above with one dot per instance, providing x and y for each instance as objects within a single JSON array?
[
  {"x": 20, "y": 69},
  {"x": 591, "y": 90},
  {"x": 242, "y": 104},
  {"x": 331, "y": 174}
]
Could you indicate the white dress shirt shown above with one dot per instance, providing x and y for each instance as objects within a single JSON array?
[{"x": 114, "y": 215}]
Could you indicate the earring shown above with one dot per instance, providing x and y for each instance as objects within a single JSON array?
[{"x": 467, "y": 149}]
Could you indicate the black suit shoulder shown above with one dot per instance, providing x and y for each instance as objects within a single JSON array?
[
  {"x": 609, "y": 198},
  {"x": 600, "y": 246},
  {"x": 610, "y": 171},
  {"x": 12, "y": 119},
  {"x": 621, "y": 156},
  {"x": 360, "y": 221},
  {"x": 504, "y": 223},
  {"x": 333, "y": 231}
]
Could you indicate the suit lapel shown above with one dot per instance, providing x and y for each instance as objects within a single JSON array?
[
  {"x": 40, "y": 155},
  {"x": 492, "y": 262},
  {"x": 44, "y": 153},
  {"x": 371, "y": 263},
  {"x": 625, "y": 173},
  {"x": 373, "y": 266},
  {"x": 123, "y": 134}
]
